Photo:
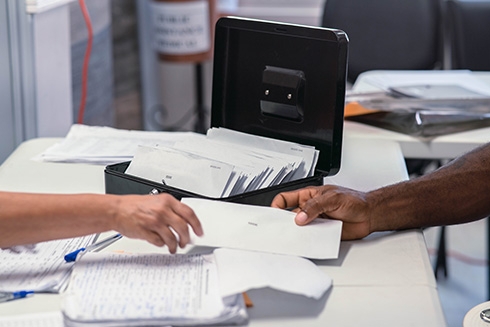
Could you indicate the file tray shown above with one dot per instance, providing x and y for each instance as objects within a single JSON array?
[{"x": 276, "y": 80}]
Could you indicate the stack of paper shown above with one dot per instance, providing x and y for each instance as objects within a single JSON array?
[
  {"x": 148, "y": 289},
  {"x": 225, "y": 163},
  {"x": 388, "y": 79},
  {"x": 420, "y": 103},
  {"x": 443, "y": 91},
  {"x": 258, "y": 247},
  {"x": 156, "y": 289},
  {"x": 308, "y": 153},
  {"x": 38, "y": 267},
  {"x": 220, "y": 164},
  {"x": 106, "y": 145}
]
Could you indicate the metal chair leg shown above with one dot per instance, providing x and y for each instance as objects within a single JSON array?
[{"x": 441, "y": 262}]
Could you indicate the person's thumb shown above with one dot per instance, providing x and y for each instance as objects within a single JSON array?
[{"x": 302, "y": 218}]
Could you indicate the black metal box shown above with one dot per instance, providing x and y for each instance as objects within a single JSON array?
[{"x": 276, "y": 80}]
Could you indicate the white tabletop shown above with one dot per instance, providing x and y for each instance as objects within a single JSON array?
[
  {"x": 442, "y": 147},
  {"x": 383, "y": 280}
]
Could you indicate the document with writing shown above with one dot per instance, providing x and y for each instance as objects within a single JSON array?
[
  {"x": 38, "y": 267},
  {"x": 148, "y": 289},
  {"x": 113, "y": 289},
  {"x": 266, "y": 229}
]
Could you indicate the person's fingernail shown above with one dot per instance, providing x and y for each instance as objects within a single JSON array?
[{"x": 301, "y": 217}]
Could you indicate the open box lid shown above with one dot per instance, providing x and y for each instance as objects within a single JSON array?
[{"x": 281, "y": 81}]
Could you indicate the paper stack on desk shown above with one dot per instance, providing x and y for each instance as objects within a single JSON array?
[
  {"x": 420, "y": 103},
  {"x": 38, "y": 267},
  {"x": 185, "y": 289},
  {"x": 220, "y": 164},
  {"x": 225, "y": 163},
  {"x": 106, "y": 145},
  {"x": 257, "y": 247}
]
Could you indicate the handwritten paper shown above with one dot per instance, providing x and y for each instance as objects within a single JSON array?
[
  {"x": 38, "y": 267},
  {"x": 118, "y": 289},
  {"x": 109, "y": 289}
]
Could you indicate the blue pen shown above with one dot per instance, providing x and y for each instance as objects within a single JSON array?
[
  {"x": 70, "y": 257},
  {"x": 9, "y": 296}
]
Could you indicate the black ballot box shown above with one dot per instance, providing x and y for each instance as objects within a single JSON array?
[{"x": 275, "y": 80}]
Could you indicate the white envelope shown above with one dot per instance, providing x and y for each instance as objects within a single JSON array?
[
  {"x": 181, "y": 170},
  {"x": 265, "y": 229}
]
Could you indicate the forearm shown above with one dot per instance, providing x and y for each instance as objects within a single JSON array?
[
  {"x": 456, "y": 193},
  {"x": 29, "y": 218}
]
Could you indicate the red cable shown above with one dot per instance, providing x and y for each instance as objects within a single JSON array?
[
  {"x": 462, "y": 257},
  {"x": 86, "y": 59}
]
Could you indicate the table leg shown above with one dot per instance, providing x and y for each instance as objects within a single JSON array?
[
  {"x": 441, "y": 262},
  {"x": 200, "y": 108}
]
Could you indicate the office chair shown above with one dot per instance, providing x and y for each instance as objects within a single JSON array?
[
  {"x": 470, "y": 34},
  {"x": 470, "y": 49},
  {"x": 388, "y": 34},
  {"x": 392, "y": 35}
]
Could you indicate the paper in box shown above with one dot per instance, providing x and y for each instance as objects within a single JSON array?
[{"x": 275, "y": 80}]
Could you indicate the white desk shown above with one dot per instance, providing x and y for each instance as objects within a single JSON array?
[
  {"x": 441, "y": 147},
  {"x": 383, "y": 280}
]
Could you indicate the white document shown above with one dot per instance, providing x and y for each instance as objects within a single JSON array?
[
  {"x": 280, "y": 164},
  {"x": 258, "y": 162},
  {"x": 247, "y": 168},
  {"x": 241, "y": 271},
  {"x": 265, "y": 229},
  {"x": 106, "y": 145},
  {"x": 308, "y": 153},
  {"x": 182, "y": 170},
  {"x": 110, "y": 289},
  {"x": 40, "y": 267}
]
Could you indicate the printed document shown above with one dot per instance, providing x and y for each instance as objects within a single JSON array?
[{"x": 265, "y": 229}]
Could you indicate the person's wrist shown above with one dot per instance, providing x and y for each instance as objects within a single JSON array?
[
  {"x": 113, "y": 207},
  {"x": 372, "y": 216}
]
